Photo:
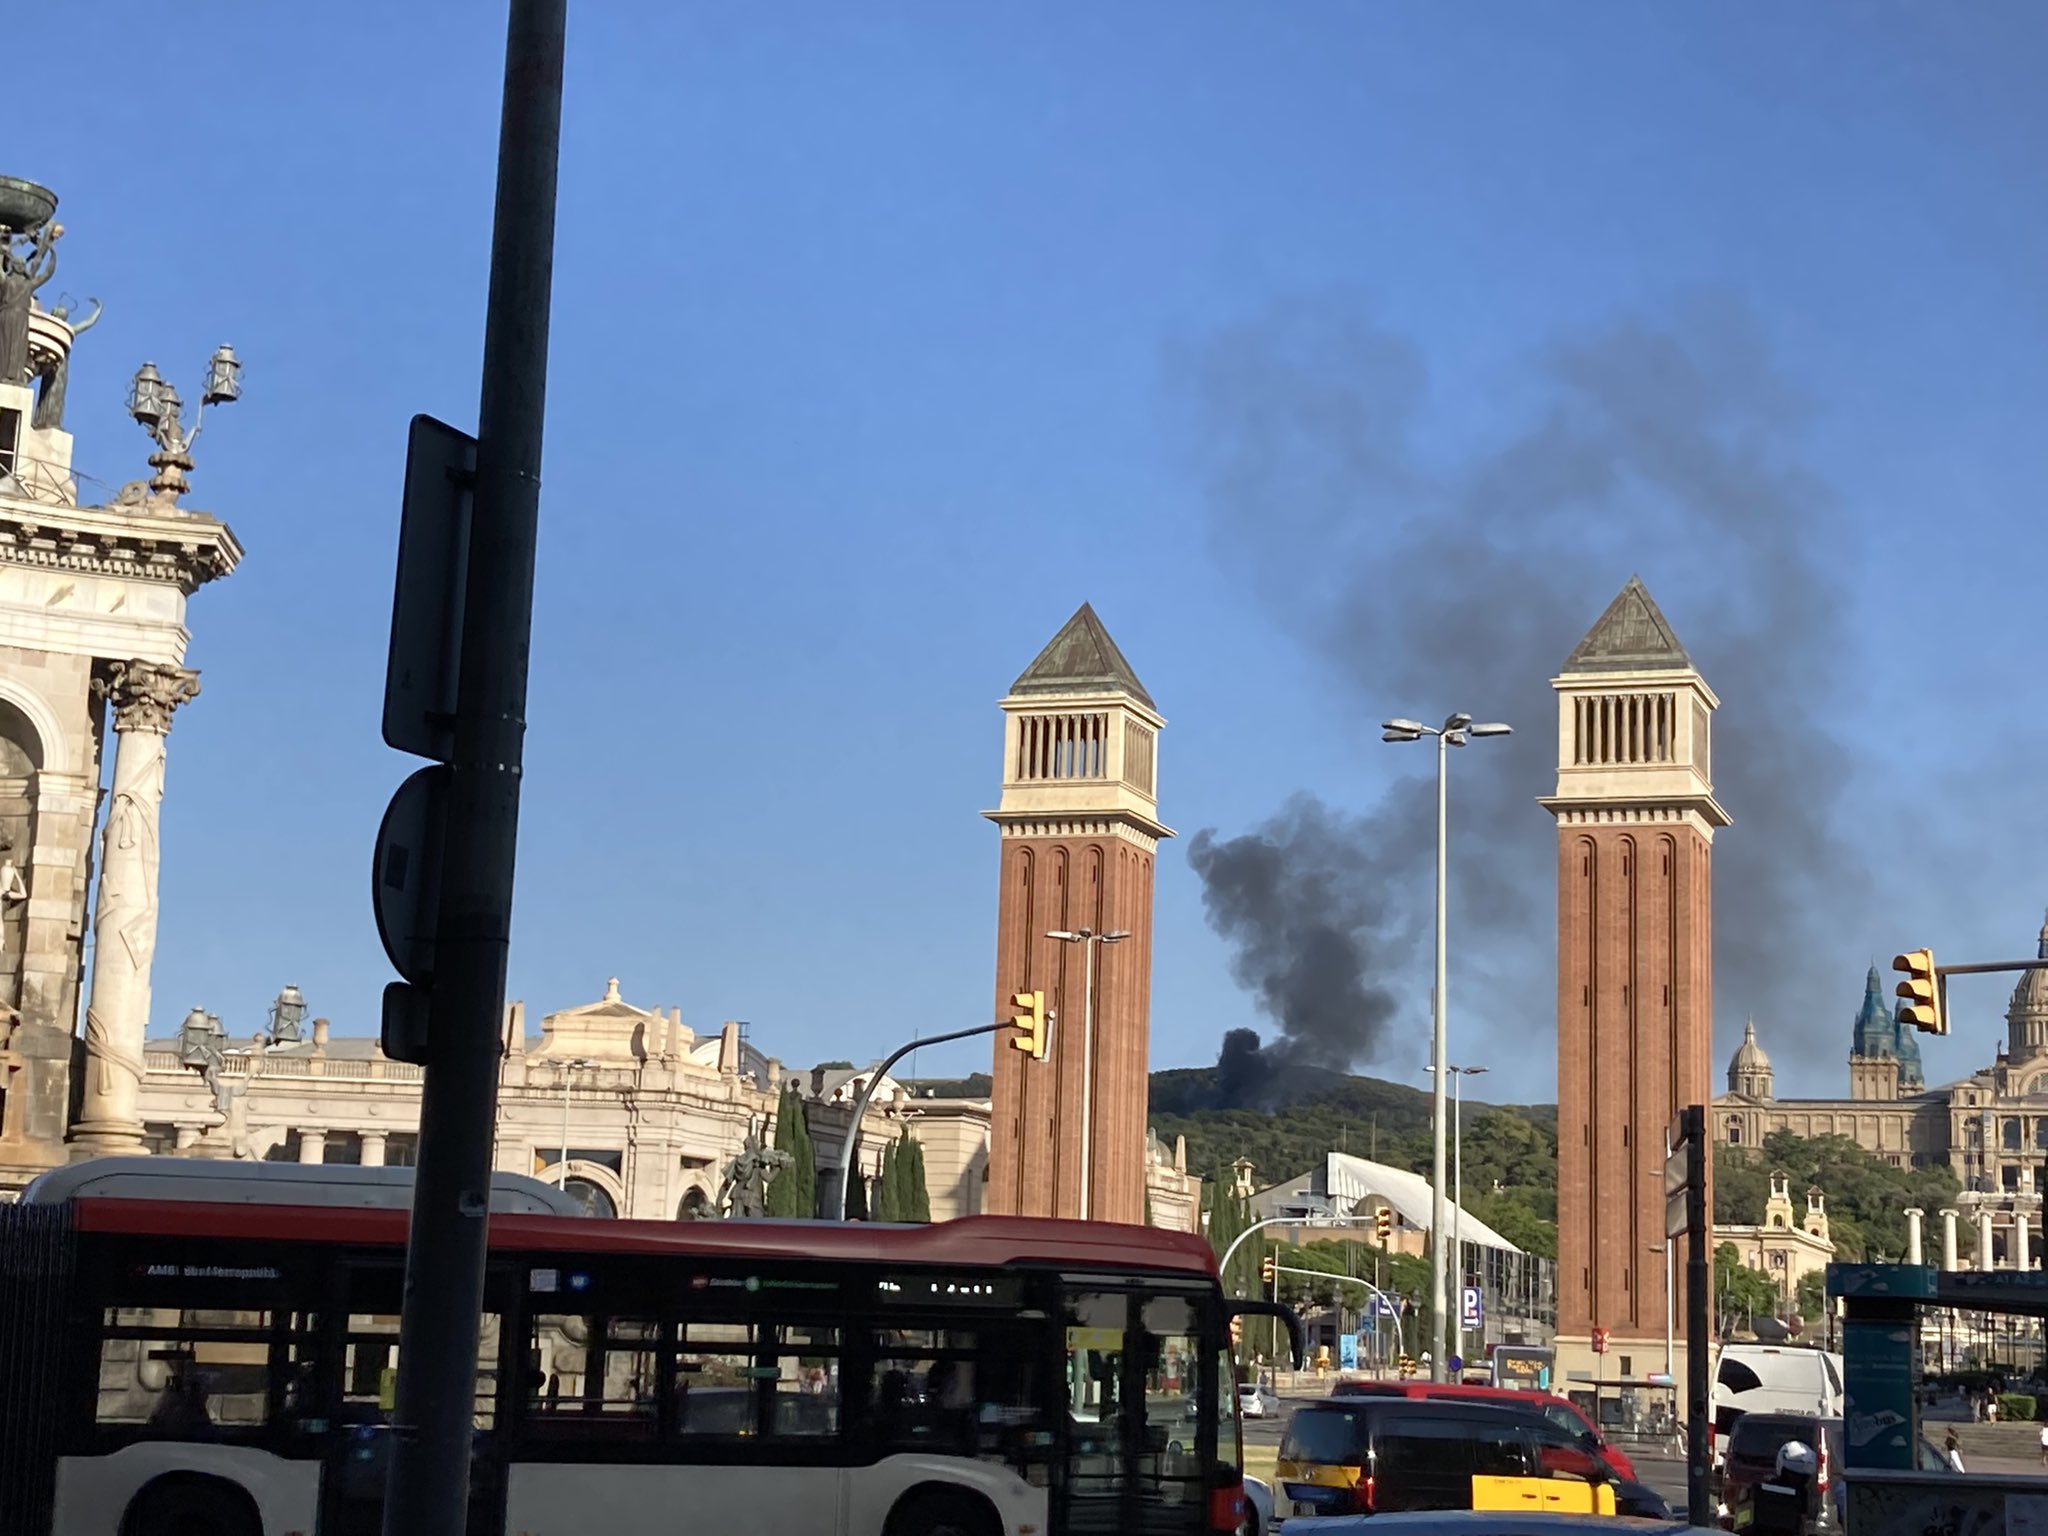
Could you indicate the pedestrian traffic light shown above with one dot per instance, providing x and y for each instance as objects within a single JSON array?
[
  {"x": 1267, "y": 1269},
  {"x": 1032, "y": 1035},
  {"x": 1383, "y": 1224},
  {"x": 1924, "y": 1007}
]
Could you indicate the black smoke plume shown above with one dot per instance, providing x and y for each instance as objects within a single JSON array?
[{"x": 1434, "y": 580}]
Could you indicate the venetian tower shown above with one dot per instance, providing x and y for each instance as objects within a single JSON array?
[
  {"x": 1080, "y": 831},
  {"x": 92, "y": 637},
  {"x": 1636, "y": 818}
]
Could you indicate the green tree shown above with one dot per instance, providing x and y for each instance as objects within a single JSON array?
[
  {"x": 1813, "y": 1295},
  {"x": 1740, "y": 1292},
  {"x": 887, "y": 1184},
  {"x": 917, "y": 1198},
  {"x": 793, "y": 1191},
  {"x": 856, "y": 1188},
  {"x": 1227, "y": 1221},
  {"x": 1866, "y": 1196}
]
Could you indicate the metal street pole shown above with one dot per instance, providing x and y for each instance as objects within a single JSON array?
[
  {"x": 434, "y": 1419},
  {"x": 1087, "y": 938},
  {"x": 1458, "y": 1214},
  {"x": 562, "y": 1172},
  {"x": 849, "y": 1144},
  {"x": 1087, "y": 1063},
  {"x": 1442, "y": 1059}
]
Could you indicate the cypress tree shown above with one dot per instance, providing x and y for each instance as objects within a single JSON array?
[
  {"x": 793, "y": 1189},
  {"x": 856, "y": 1188},
  {"x": 917, "y": 1197},
  {"x": 886, "y": 1186}
]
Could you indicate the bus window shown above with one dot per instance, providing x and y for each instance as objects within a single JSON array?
[
  {"x": 715, "y": 1377},
  {"x": 594, "y": 1371},
  {"x": 187, "y": 1373},
  {"x": 1134, "y": 1359},
  {"x": 369, "y": 1370},
  {"x": 806, "y": 1359}
]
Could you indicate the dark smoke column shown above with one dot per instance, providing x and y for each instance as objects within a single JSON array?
[
  {"x": 1636, "y": 818},
  {"x": 1080, "y": 833}
]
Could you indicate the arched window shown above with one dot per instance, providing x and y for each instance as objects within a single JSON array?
[
  {"x": 591, "y": 1197},
  {"x": 696, "y": 1206}
]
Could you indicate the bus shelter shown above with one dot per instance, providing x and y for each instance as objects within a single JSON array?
[{"x": 1897, "y": 1481}]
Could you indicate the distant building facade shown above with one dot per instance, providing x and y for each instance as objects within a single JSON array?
[
  {"x": 627, "y": 1107},
  {"x": 1991, "y": 1127}
]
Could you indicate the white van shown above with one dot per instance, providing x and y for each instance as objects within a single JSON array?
[{"x": 1776, "y": 1378}]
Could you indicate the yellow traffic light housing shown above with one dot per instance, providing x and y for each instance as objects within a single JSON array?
[
  {"x": 1924, "y": 1006},
  {"x": 1032, "y": 1035},
  {"x": 1383, "y": 1224},
  {"x": 1267, "y": 1269}
]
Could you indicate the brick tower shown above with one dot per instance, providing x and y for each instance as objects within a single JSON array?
[
  {"x": 1080, "y": 829},
  {"x": 1636, "y": 818}
]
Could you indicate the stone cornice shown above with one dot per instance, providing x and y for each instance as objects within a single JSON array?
[
  {"x": 1130, "y": 830},
  {"x": 1701, "y": 811},
  {"x": 138, "y": 539}
]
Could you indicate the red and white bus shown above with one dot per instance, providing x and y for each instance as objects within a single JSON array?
[{"x": 178, "y": 1366}]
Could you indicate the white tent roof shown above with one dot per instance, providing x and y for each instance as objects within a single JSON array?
[{"x": 1350, "y": 1181}]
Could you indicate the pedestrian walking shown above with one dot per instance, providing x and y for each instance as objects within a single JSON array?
[
  {"x": 2044, "y": 1445},
  {"x": 1953, "y": 1452}
]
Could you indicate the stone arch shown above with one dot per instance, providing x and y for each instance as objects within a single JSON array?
[
  {"x": 594, "y": 1176},
  {"x": 699, "y": 1202},
  {"x": 27, "y": 717}
]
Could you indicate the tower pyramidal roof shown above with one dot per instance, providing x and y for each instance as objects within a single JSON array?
[
  {"x": 1081, "y": 659},
  {"x": 1631, "y": 636}
]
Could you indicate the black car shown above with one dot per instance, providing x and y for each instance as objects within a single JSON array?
[{"x": 1367, "y": 1455}]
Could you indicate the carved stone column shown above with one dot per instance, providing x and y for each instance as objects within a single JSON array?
[
  {"x": 2022, "y": 1257},
  {"x": 1913, "y": 1215},
  {"x": 143, "y": 695},
  {"x": 1984, "y": 1239},
  {"x": 1948, "y": 1239},
  {"x": 373, "y": 1149},
  {"x": 312, "y": 1146}
]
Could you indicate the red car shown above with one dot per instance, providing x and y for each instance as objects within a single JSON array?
[{"x": 1561, "y": 1411}]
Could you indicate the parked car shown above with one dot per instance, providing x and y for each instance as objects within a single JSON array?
[
  {"x": 1256, "y": 1400},
  {"x": 1561, "y": 1411},
  {"x": 1752, "y": 1458},
  {"x": 1373, "y": 1454}
]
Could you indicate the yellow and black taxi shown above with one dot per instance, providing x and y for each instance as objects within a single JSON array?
[{"x": 1368, "y": 1456}]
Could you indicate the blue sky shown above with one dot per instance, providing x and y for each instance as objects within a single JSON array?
[{"x": 872, "y": 338}]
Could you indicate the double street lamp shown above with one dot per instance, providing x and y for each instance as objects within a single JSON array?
[
  {"x": 1456, "y": 731},
  {"x": 1088, "y": 939}
]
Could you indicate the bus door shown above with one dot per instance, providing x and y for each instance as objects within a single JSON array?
[
  {"x": 1143, "y": 1409},
  {"x": 361, "y": 1339}
]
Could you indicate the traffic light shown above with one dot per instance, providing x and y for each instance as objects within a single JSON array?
[
  {"x": 1924, "y": 1007},
  {"x": 1383, "y": 1224},
  {"x": 1267, "y": 1270},
  {"x": 1407, "y": 1365},
  {"x": 1032, "y": 1035}
]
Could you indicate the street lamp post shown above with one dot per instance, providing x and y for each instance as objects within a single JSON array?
[
  {"x": 1458, "y": 1076},
  {"x": 569, "y": 1070},
  {"x": 1087, "y": 938},
  {"x": 1456, "y": 731}
]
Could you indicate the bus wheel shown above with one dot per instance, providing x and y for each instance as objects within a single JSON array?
[
  {"x": 941, "y": 1513},
  {"x": 192, "y": 1507}
]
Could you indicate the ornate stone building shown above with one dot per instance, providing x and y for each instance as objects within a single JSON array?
[
  {"x": 1080, "y": 830},
  {"x": 1990, "y": 1127},
  {"x": 93, "y": 634},
  {"x": 1636, "y": 818},
  {"x": 626, "y": 1106}
]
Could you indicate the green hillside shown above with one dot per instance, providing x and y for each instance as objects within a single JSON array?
[{"x": 1510, "y": 1150}]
